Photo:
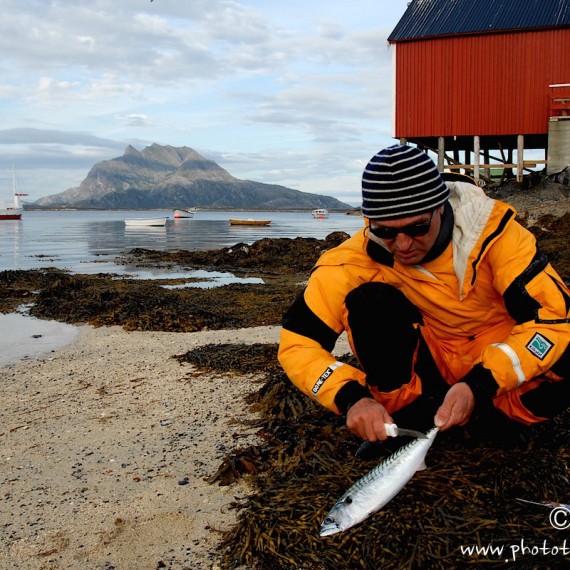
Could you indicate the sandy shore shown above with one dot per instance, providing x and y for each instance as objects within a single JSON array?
[{"x": 105, "y": 445}]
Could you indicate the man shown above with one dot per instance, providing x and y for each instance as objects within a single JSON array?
[{"x": 449, "y": 307}]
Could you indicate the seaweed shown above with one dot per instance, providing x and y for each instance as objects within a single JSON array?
[
  {"x": 265, "y": 256},
  {"x": 143, "y": 305},
  {"x": 464, "y": 500}
]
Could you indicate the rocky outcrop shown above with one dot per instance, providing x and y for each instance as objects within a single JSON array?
[{"x": 178, "y": 177}]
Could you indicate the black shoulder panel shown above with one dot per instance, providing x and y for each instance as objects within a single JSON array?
[
  {"x": 301, "y": 320},
  {"x": 379, "y": 254},
  {"x": 520, "y": 305}
]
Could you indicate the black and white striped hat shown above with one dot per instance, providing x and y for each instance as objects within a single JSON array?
[{"x": 401, "y": 181}]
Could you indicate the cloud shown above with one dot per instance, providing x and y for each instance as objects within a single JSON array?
[
  {"x": 57, "y": 159},
  {"x": 134, "y": 120},
  {"x": 39, "y": 136},
  {"x": 289, "y": 91}
]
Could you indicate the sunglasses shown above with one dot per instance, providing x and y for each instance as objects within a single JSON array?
[{"x": 412, "y": 230}]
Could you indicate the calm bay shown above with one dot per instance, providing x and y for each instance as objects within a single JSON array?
[{"x": 87, "y": 241}]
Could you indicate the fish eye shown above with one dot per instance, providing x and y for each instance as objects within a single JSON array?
[
  {"x": 348, "y": 500},
  {"x": 329, "y": 520}
]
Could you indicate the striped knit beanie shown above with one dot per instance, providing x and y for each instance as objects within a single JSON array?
[{"x": 401, "y": 181}]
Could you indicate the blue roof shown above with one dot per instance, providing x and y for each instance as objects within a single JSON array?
[{"x": 428, "y": 18}]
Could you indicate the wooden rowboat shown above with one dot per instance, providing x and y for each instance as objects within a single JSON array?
[
  {"x": 248, "y": 222},
  {"x": 138, "y": 222}
]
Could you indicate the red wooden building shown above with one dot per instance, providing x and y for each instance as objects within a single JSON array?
[{"x": 482, "y": 77}]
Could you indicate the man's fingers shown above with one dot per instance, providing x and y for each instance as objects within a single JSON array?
[
  {"x": 366, "y": 419},
  {"x": 456, "y": 408}
]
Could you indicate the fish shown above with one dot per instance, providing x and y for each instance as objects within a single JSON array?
[{"x": 378, "y": 487}]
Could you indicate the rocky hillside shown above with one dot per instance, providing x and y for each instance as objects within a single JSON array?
[{"x": 177, "y": 177}]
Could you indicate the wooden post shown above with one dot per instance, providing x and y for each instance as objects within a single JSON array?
[
  {"x": 403, "y": 140},
  {"x": 487, "y": 159},
  {"x": 476, "y": 157},
  {"x": 520, "y": 157},
  {"x": 440, "y": 152}
]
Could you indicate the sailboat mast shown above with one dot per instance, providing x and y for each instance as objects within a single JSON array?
[{"x": 14, "y": 189}]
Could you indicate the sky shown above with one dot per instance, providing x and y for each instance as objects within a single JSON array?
[{"x": 290, "y": 92}]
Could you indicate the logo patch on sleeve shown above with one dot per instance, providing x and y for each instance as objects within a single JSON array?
[
  {"x": 540, "y": 346},
  {"x": 330, "y": 369}
]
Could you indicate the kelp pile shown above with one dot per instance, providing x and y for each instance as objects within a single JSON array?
[
  {"x": 265, "y": 256},
  {"x": 466, "y": 500},
  {"x": 102, "y": 300}
]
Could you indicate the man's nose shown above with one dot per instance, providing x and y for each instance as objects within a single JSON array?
[{"x": 403, "y": 241}]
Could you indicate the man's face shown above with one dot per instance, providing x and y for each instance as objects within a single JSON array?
[{"x": 409, "y": 249}]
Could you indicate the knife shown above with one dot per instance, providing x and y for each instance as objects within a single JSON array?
[
  {"x": 393, "y": 430},
  {"x": 549, "y": 504}
]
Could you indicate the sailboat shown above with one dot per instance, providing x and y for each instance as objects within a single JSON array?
[{"x": 13, "y": 212}]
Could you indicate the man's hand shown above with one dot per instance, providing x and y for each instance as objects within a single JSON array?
[
  {"x": 366, "y": 419},
  {"x": 457, "y": 407}
]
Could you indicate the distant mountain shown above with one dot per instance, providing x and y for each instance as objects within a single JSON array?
[{"x": 177, "y": 177}]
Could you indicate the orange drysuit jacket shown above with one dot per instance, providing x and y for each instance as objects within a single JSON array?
[{"x": 491, "y": 301}]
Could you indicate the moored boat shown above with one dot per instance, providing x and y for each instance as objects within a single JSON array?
[
  {"x": 182, "y": 213},
  {"x": 320, "y": 213},
  {"x": 248, "y": 222},
  {"x": 13, "y": 212},
  {"x": 138, "y": 222}
]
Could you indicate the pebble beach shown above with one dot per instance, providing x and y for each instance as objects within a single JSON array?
[{"x": 106, "y": 445}]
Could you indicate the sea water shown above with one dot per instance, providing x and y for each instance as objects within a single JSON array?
[
  {"x": 24, "y": 337},
  {"x": 89, "y": 241}
]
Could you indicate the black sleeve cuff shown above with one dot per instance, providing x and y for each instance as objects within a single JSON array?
[
  {"x": 482, "y": 383},
  {"x": 349, "y": 394}
]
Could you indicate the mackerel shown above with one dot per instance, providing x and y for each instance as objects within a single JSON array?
[{"x": 379, "y": 486}]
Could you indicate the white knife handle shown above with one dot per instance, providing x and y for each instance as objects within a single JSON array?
[{"x": 391, "y": 430}]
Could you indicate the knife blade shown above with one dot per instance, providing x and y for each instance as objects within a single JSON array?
[
  {"x": 549, "y": 504},
  {"x": 393, "y": 430}
]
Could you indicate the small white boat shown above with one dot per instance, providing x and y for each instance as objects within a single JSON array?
[
  {"x": 248, "y": 222},
  {"x": 13, "y": 212},
  {"x": 180, "y": 213},
  {"x": 138, "y": 222},
  {"x": 320, "y": 213}
]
